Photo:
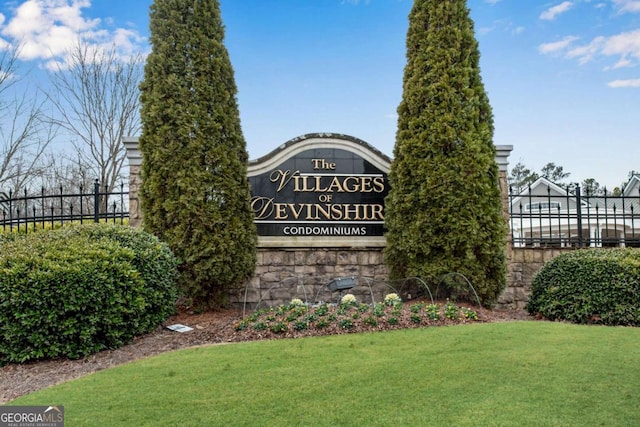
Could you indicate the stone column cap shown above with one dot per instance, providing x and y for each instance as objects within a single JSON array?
[
  {"x": 133, "y": 150},
  {"x": 502, "y": 156}
]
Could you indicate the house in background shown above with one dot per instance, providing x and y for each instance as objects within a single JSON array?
[
  {"x": 633, "y": 186},
  {"x": 548, "y": 215}
]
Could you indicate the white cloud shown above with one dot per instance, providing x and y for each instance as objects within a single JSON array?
[
  {"x": 555, "y": 47},
  {"x": 587, "y": 52},
  {"x": 624, "y": 83},
  {"x": 624, "y": 47},
  {"x": 48, "y": 29},
  {"x": 628, "y": 5},
  {"x": 485, "y": 30},
  {"x": 501, "y": 25},
  {"x": 492, "y": 1},
  {"x": 551, "y": 13}
]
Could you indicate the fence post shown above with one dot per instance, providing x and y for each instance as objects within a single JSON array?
[
  {"x": 96, "y": 201},
  {"x": 10, "y": 210},
  {"x": 579, "y": 214}
]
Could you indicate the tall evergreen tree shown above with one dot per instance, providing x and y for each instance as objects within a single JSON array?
[
  {"x": 195, "y": 192},
  {"x": 444, "y": 210}
]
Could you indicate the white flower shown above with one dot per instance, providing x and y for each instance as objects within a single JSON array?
[
  {"x": 348, "y": 299},
  {"x": 392, "y": 299},
  {"x": 296, "y": 302}
]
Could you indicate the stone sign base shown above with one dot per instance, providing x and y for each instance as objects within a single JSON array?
[{"x": 304, "y": 273}]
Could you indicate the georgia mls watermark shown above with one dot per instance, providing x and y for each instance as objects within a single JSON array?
[{"x": 31, "y": 416}]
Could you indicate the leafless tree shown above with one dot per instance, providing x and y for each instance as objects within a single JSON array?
[
  {"x": 67, "y": 175},
  {"x": 25, "y": 131},
  {"x": 66, "y": 172},
  {"x": 96, "y": 100}
]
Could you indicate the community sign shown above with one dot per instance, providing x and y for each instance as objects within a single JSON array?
[{"x": 320, "y": 188}]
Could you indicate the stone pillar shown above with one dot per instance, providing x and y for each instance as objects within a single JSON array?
[
  {"x": 508, "y": 296},
  {"x": 502, "y": 159},
  {"x": 135, "y": 163}
]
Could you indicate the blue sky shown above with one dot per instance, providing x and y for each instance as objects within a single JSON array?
[{"x": 563, "y": 77}]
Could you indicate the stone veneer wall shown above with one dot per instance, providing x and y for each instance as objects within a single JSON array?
[
  {"x": 304, "y": 273},
  {"x": 283, "y": 274},
  {"x": 522, "y": 265}
]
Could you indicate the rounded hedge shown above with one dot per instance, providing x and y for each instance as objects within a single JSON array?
[
  {"x": 589, "y": 286},
  {"x": 81, "y": 289}
]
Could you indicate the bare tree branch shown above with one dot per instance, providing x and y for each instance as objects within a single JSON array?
[
  {"x": 25, "y": 131},
  {"x": 96, "y": 100}
]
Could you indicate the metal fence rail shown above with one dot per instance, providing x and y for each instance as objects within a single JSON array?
[
  {"x": 551, "y": 219},
  {"x": 21, "y": 212}
]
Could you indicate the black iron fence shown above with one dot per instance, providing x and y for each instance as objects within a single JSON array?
[
  {"x": 544, "y": 216},
  {"x": 49, "y": 208},
  {"x": 548, "y": 216}
]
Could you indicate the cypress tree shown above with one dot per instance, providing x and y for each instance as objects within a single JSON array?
[
  {"x": 195, "y": 192},
  {"x": 444, "y": 210}
]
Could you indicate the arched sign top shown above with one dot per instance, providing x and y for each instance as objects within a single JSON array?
[{"x": 308, "y": 141}]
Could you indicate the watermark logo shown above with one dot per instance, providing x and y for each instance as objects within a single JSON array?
[{"x": 31, "y": 416}]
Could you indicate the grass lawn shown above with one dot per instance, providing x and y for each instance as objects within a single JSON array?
[{"x": 499, "y": 374}]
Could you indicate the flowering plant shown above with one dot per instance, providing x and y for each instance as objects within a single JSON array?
[
  {"x": 296, "y": 302},
  {"x": 468, "y": 313},
  {"x": 348, "y": 299},
  {"x": 391, "y": 300}
]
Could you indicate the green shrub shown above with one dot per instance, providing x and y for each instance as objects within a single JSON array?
[
  {"x": 77, "y": 290},
  {"x": 589, "y": 286},
  {"x": 153, "y": 260}
]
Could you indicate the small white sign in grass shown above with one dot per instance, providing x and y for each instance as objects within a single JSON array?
[{"x": 180, "y": 328}]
